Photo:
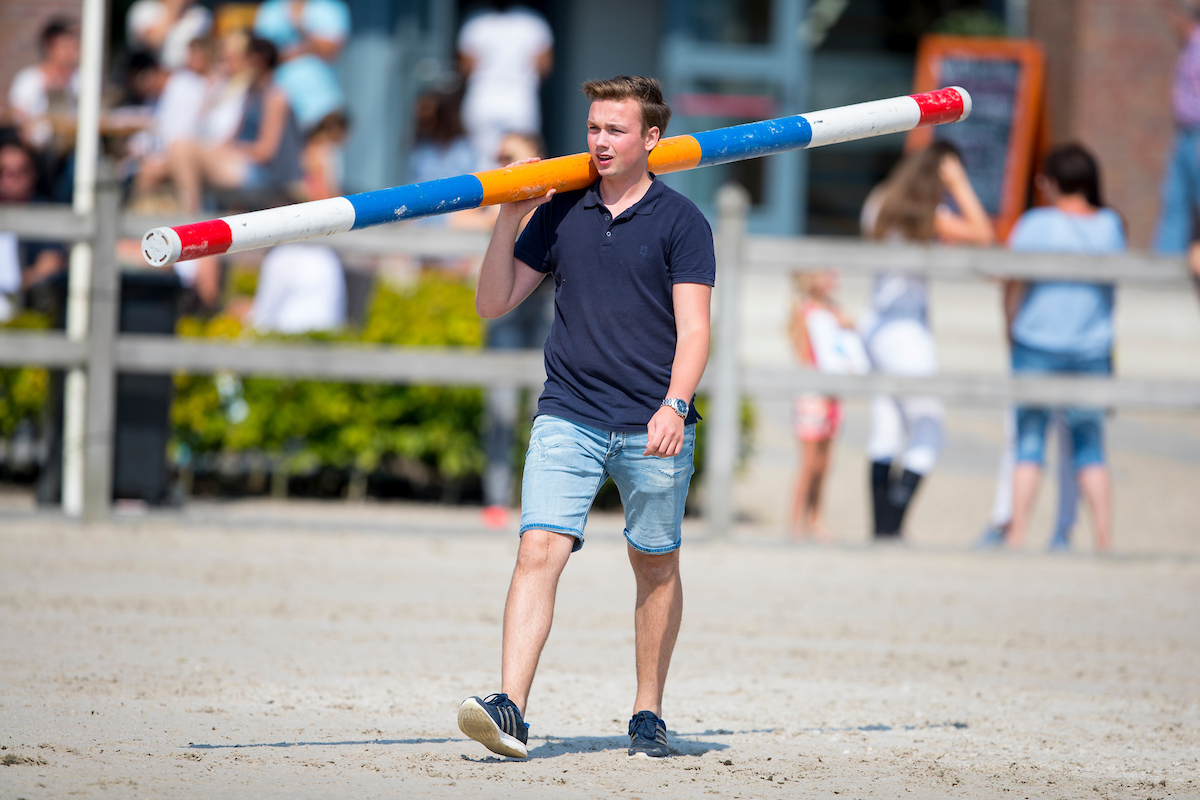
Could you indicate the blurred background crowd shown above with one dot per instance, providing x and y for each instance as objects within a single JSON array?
[{"x": 214, "y": 108}]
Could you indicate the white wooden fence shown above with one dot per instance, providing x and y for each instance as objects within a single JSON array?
[{"x": 102, "y": 353}]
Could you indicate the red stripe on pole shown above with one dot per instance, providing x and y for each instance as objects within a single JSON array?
[
  {"x": 204, "y": 238},
  {"x": 944, "y": 105}
]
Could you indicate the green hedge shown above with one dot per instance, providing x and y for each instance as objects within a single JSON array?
[
  {"x": 304, "y": 425},
  {"x": 23, "y": 390}
]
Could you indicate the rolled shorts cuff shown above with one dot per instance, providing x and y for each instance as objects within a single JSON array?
[
  {"x": 652, "y": 551},
  {"x": 533, "y": 526}
]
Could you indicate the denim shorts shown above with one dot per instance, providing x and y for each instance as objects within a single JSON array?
[
  {"x": 567, "y": 463},
  {"x": 1085, "y": 424}
]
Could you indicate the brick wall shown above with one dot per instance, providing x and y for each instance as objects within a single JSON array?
[
  {"x": 1110, "y": 65},
  {"x": 21, "y": 23}
]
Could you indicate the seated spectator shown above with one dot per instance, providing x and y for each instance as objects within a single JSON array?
[
  {"x": 165, "y": 28},
  {"x": 10, "y": 274},
  {"x": 321, "y": 159},
  {"x": 178, "y": 116},
  {"x": 301, "y": 287},
  {"x": 443, "y": 149},
  {"x": 36, "y": 260},
  {"x": 264, "y": 157},
  {"x": 1064, "y": 327},
  {"x": 48, "y": 87},
  {"x": 231, "y": 83},
  {"x": 309, "y": 35}
]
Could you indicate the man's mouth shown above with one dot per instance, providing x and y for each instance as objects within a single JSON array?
[{"x": 603, "y": 158}]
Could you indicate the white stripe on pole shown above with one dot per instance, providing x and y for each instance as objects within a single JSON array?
[
  {"x": 290, "y": 223},
  {"x": 876, "y": 118}
]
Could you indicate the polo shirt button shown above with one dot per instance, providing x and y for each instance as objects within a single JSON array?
[{"x": 608, "y": 233}]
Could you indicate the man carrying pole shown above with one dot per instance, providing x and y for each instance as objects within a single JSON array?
[{"x": 633, "y": 267}]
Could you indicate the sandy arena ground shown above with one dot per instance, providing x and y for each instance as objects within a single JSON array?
[{"x": 262, "y": 650}]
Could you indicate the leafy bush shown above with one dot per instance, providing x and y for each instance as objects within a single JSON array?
[
  {"x": 348, "y": 426},
  {"x": 23, "y": 390}
]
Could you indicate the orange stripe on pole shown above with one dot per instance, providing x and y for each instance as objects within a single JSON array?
[
  {"x": 576, "y": 172},
  {"x": 531, "y": 180},
  {"x": 675, "y": 154}
]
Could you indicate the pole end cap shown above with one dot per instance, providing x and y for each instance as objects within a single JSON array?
[
  {"x": 966, "y": 101},
  {"x": 161, "y": 247}
]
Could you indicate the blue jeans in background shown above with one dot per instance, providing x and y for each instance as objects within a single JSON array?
[
  {"x": 1085, "y": 424},
  {"x": 1180, "y": 194}
]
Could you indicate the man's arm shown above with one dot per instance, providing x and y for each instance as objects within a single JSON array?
[
  {"x": 693, "y": 302},
  {"x": 504, "y": 280}
]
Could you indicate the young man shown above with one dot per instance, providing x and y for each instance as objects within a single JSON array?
[{"x": 633, "y": 269}]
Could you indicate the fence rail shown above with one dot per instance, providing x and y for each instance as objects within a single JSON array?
[{"x": 725, "y": 380}]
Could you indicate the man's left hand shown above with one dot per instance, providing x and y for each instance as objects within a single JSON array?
[{"x": 664, "y": 434}]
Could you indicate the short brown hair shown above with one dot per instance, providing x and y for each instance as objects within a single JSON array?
[{"x": 647, "y": 91}]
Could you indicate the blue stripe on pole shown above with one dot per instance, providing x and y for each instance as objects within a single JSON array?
[
  {"x": 416, "y": 200},
  {"x": 752, "y": 140}
]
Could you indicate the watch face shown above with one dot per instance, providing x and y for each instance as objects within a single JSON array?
[{"x": 680, "y": 407}]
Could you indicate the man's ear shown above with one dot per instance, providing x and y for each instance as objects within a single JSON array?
[{"x": 651, "y": 138}]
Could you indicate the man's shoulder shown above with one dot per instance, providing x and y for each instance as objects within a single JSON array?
[
  {"x": 679, "y": 214},
  {"x": 678, "y": 203}
]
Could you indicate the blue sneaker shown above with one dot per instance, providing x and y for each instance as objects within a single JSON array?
[
  {"x": 495, "y": 722},
  {"x": 647, "y": 736}
]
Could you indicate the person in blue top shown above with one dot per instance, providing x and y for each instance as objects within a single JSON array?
[
  {"x": 633, "y": 268},
  {"x": 1064, "y": 327},
  {"x": 309, "y": 35}
]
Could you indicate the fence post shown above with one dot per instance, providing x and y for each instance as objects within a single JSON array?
[
  {"x": 103, "y": 319},
  {"x": 79, "y": 284},
  {"x": 733, "y": 203}
]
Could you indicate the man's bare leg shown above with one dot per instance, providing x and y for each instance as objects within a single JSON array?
[
  {"x": 656, "y": 623},
  {"x": 529, "y": 609}
]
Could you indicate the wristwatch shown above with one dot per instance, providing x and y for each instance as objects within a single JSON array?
[{"x": 680, "y": 407}]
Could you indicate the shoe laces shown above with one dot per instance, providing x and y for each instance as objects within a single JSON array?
[
  {"x": 498, "y": 699},
  {"x": 645, "y": 725}
]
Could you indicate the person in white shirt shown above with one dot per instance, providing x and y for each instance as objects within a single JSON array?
[
  {"x": 179, "y": 114},
  {"x": 301, "y": 287},
  {"x": 48, "y": 87},
  {"x": 165, "y": 28},
  {"x": 505, "y": 53}
]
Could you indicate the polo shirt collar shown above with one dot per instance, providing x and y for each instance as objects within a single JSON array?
[{"x": 591, "y": 197}]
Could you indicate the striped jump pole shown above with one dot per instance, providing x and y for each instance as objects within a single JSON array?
[{"x": 164, "y": 246}]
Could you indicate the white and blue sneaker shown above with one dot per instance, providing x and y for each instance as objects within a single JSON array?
[
  {"x": 647, "y": 736},
  {"x": 495, "y": 722}
]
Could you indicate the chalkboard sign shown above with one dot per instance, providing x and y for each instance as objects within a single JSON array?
[{"x": 999, "y": 141}]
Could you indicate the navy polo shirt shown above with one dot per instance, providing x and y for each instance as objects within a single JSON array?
[{"x": 610, "y": 350}]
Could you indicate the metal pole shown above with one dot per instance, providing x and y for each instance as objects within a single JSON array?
[
  {"x": 101, "y": 350},
  {"x": 733, "y": 204},
  {"x": 87, "y": 148}
]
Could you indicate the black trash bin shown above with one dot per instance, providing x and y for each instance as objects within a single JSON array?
[{"x": 149, "y": 304}]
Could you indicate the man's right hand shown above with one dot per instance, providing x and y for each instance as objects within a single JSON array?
[{"x": 518, "y": 209}]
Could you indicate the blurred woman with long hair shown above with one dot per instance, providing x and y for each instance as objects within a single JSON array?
[{"x": 927, "y": 198}]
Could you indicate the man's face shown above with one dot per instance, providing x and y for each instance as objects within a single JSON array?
[
  {"x": 615, "y": 139},
  {"x": 17, "y": 176}
]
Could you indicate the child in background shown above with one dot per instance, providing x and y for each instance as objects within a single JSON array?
[{"x": 823, "y": 337}]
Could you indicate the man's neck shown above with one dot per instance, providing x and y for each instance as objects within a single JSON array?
[{"x": 619, "y": 195}]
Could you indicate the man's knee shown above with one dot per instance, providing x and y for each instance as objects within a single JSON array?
[
  {"x": 656, "y": 568},
  {"x": 543, "y": 550}
]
